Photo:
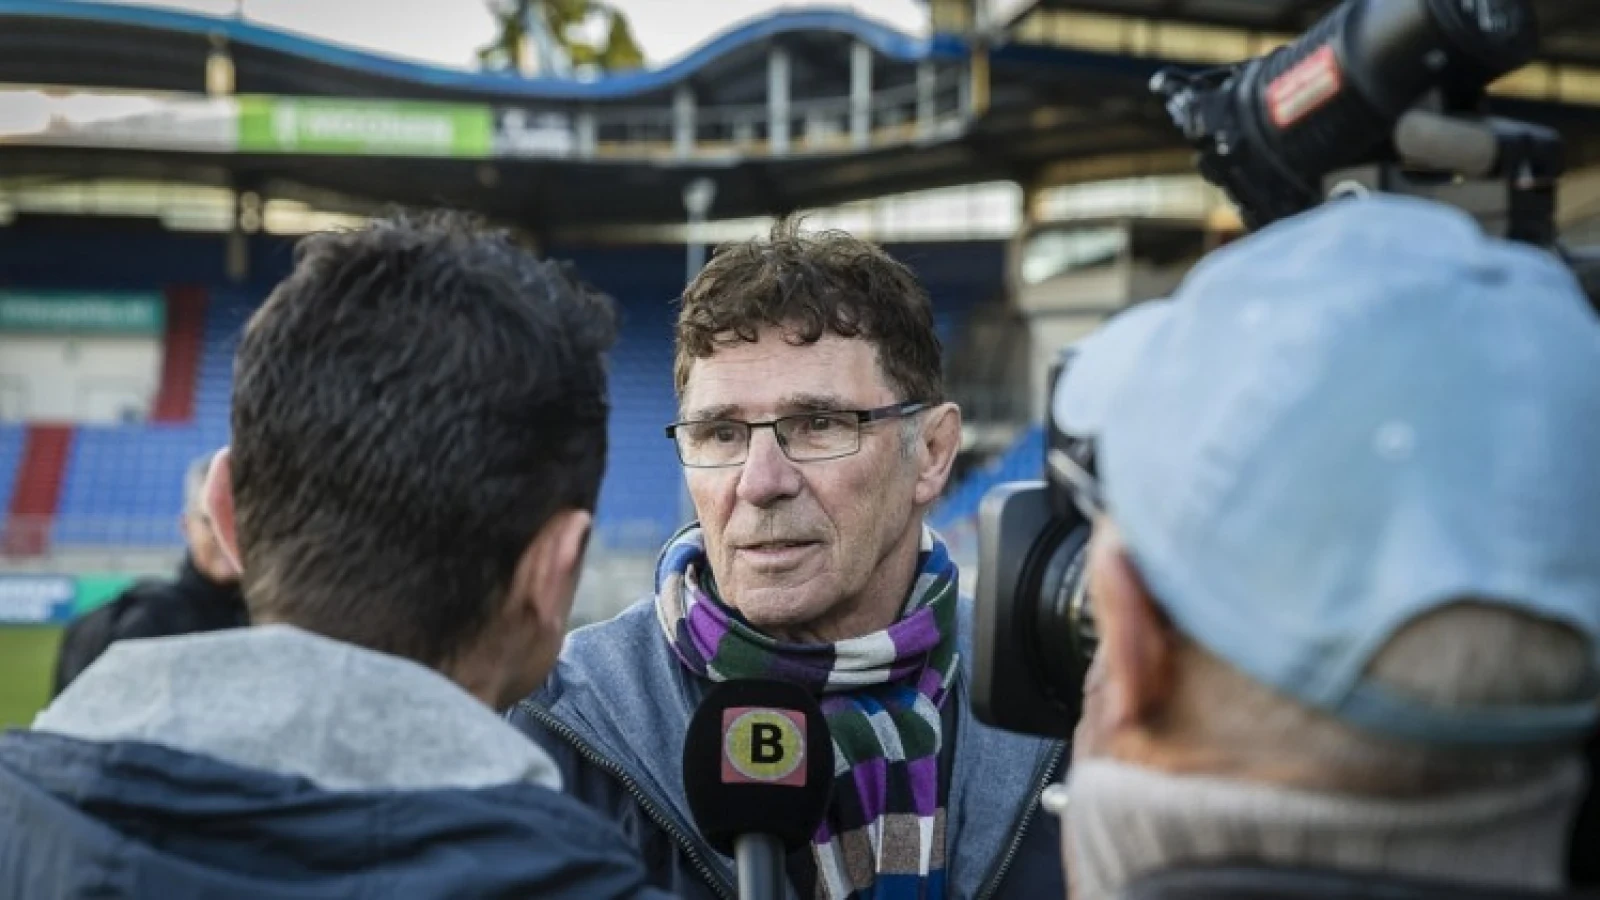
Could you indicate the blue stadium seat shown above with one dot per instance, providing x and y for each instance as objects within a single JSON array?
[
  {"x": 12, "y": 437},
  {"x": 1023, "y": 461}
]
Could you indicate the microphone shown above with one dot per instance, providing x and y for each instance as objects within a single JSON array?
[{"x": 758, "y": 769}]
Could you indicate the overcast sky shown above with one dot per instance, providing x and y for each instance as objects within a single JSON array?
[{"x": 448, "y": 32}]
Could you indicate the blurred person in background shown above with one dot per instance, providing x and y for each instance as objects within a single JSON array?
[
  {"x": 815, "y": 437},
  {"x": 1344, "y": 572},
  {"x": 204, "y": 596},
  {"x": 418, "y": 419}
]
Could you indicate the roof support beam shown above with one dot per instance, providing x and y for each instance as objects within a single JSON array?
[
  {"x": 925, "y": 87},
  {"x": 860, "y": 95},
  {"x": 778, "y": 100},
  {"x": 683, "y": 121}
]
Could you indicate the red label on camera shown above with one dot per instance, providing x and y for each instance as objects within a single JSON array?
[{"x": 1303, "y": 89}]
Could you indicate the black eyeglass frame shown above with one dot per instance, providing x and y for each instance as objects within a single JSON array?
[{"x": 862, "y": 417}]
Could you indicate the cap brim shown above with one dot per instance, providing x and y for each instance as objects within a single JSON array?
[{"x": 1100, "y": 364}]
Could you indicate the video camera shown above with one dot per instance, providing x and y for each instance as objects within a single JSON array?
[{"x": 1380, "y": 95}]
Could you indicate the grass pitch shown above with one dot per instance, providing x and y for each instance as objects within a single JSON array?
[{"x": 27, "y": 662}]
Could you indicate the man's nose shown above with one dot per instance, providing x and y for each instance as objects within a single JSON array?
[{"x": 768, "y": 476}]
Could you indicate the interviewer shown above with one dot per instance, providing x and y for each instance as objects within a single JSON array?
[
  {"x": 419, "y": 418},
  {"x": 1346, "y": 572}
]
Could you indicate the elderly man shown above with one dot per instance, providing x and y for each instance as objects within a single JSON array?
[
  {"x": 815, "y": 435},
  {"x": 203, "y": 597},
  {"x": 419, "y": 417},
  {"x": 1345, "y": 571}
]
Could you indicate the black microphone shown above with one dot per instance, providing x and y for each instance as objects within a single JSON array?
[{"x": 758, "y": 769}]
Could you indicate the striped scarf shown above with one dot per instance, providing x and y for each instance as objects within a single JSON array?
[{"x": 884, "y": 835}]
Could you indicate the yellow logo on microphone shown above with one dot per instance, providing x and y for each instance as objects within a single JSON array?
[{"x": 763, "y": 746}]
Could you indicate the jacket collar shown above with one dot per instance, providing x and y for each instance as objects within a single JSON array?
[
  {"x": 191, "y": 579},
  {"x": 279, "y": 699},
  {"x": 619, "y": 680}
]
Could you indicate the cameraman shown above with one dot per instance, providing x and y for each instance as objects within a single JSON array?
[{"x": 1346, "y": 568}]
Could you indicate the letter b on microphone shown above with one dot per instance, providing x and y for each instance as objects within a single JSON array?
[
  {"x": 766, "y": 743},
  {"x": 763, "y": 746},
  {"x": 757, "y": 761}
]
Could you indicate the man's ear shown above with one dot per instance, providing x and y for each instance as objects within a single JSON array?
[
  {"x": 938, "y": 443},
  {"x": 547, "y": 575},
  {"x": 1136, "y": 643},
  {"x": 218, "y": 498}
]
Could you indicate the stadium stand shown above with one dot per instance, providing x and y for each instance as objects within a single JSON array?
[
  {"x": 639, "y": 500},
  {"x": 120, "y": 483},
  {"x": 1024, "y": 461}
]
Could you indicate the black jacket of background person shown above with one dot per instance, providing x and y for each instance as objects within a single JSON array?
[{"x": 189, "y": 604}]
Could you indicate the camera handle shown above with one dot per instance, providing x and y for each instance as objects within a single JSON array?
[{"x": 1501, "y": 171}]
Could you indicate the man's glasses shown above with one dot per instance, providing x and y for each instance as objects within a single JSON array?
[{"x": 807, "y": 437}]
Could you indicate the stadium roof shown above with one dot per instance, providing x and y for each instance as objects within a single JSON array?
[
  {"x": 1069, "y": 106},
  {"x": 108, "y": 45}
]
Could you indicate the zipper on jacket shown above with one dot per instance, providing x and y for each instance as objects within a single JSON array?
[
  {"x": 1021, "y": 831},
  {"x": 661, "y": 820}
]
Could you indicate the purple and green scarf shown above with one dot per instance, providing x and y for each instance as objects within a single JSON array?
[{"x": 884, "y": 835}]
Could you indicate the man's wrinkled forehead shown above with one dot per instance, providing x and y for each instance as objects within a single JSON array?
[
  {"x": 785, "y": 405},
  {"x": 777, "y": 375}
]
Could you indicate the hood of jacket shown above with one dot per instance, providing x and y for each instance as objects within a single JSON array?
[
  {"x": 269, "y": 762},
  {"x": 278, "y": 699},
  {"x": 122, "y": 820}
]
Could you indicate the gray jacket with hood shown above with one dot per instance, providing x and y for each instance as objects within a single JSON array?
[
  {"x": 269, "y": 762},
  {"x": 614, "y": 714}
]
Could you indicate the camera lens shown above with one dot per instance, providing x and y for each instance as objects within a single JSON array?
[{"x": 1054, "y": 573}]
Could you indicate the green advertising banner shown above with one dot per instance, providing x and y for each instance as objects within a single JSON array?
[
  {"x": 364, "y": 127},
  {"x": 76, "y": 313},
  {"x": 264, "y": 123},
  {"x": 95, "y": 591}
]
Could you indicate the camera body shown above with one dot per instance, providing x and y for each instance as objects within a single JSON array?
[
  {"x": 1381, "y": 95},
  {"x": 1271, "y": 130}
]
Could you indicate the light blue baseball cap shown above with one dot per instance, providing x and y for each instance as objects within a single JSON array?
[{"x": 1342, "y": 422}]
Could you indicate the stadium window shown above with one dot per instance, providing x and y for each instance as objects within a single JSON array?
[{"x": 1059, "y": 250}]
